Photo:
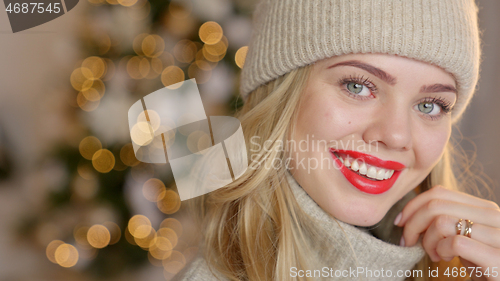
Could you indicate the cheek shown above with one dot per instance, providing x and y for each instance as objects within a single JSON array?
[
  {"x": 431, "y": 148},
  {"x": 328, "y": 119}
]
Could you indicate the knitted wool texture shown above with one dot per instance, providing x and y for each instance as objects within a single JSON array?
[{"x": 288, "y": 34}]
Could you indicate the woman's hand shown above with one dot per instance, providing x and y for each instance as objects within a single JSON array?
[{"x": 435, "y": 214}]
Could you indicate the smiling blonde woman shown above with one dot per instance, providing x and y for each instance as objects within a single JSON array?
[{"x": 364, "y": 94}]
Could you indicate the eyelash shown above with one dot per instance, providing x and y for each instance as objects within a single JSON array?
[
  {"x": 442, "y": 103},
  {"x": 358, "y": 80}
]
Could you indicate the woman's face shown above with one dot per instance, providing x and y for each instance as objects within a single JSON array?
[{"x": 385, "y": 117}]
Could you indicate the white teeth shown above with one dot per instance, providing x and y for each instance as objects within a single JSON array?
[
  {"x": 372, "y": 172},
  {"x": 387, "y": 174},
  {"x": 381, "y": 174},
  {"x": 367, "y": 170},
  {"x": 363, "y": 170},
  {"x": 355, "y": 166}
]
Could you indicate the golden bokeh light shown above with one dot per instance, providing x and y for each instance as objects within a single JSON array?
[
  {"x": 153, "y": 45},
  {"x": 170, "y": 202},
  {"x": 137, "y": 43},
  {"x": 80, "y": 235},
  {"x": 96, "y": 65},
  {"x": 134, "y": 68},
  {"x": 173, "y": 224},
  {"x": 114, "y": 231},
  {"x": 89, "y": 146},
  {"x": 144, "y": 236},
  {"x": 218, "y": 48},
  {"x": 127, "y": 3},
  {"x": 136, "y": 226},
  {"x": 152, "y": 189},
  {"x": 205, "y": 65},
  {"x": 91, "y": 94},
  {"x": 185, "y": 51},
  {"x": 156, "y": 68},
  {"x": 151, "y": 116},
  {"x": 66, "y": 255},
  {"x": 211, "y": 58},
  {"x": 86, "y": 104},
  {"x": 210, "y": 32},
  {"x": 142, "y": 133},
  {"x": 169, "y": 234},
  {"x": 172, "y": 75},
  {"x": 103, "y": 160},
  {"x": 82, "y": 79},
  {"x": 129, "y": 237},
  {"x": 50, "y": 251},
  {"x": 175, "y": 262},
  {"x": 161, "y": 248},
  {"x": 98, "y": 236},
  {"x": 127, "y": 155},
  {"x": 240, "y": 56},
  {"x": 144, "y": 67}
]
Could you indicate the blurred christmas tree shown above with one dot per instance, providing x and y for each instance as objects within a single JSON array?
[{"x": 111, "y": 211}]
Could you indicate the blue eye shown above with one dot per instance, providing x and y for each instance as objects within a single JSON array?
[
  {"x": 429, "y": 108},
  {"x": 358, "y": 89}
]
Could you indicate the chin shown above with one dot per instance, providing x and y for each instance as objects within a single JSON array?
[{"x": 367, "y": 216}]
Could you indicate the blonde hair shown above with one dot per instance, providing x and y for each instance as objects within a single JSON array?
[{"x": 253, "y": 228}]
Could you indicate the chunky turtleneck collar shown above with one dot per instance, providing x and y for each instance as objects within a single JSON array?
[{"x": 371, "y": 252}]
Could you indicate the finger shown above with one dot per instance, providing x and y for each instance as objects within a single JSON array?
[
  {"x": 438, "y": 230},
  {"x": 445, "y": 226},
  {"x": 423, "y": 217},
  {"x": 472, "y": 250},
  {"x": 439, "y": 192}
]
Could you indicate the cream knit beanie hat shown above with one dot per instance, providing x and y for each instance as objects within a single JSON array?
[{"x": 288, "y": 34}]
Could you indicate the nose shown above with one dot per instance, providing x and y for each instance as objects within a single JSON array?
[{"x": 391, "y": 128}]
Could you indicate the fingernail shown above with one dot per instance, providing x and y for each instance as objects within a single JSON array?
[
  {"x": 402, "y": 242},
  {"x": 398, "y": 218}
]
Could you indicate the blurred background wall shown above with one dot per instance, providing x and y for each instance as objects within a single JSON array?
[{"x": 65, "y": 216}]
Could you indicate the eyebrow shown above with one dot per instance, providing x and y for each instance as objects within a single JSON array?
[
  {"x": 438, "y": 88},
  {"x": 389, "y": 79}
]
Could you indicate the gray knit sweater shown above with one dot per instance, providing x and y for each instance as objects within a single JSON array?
[{"x": 375, "y": 249}]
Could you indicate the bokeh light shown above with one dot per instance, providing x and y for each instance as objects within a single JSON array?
[
  {"x": 240, "y": 56},
  {"x": 152, "y": 189},
  {"x": 210, "y": 32},
  {"x": 89, "y": 146},
  {"x": 170, "y": 202},
  {"x": 98, "y": 236},
  {"x": 103, "y": 160},
  {"x": 66, "y": 255},
  {"x": 172, "y": 75}
]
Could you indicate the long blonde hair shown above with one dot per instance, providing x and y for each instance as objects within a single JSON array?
[{"x": 253, "y": 228}]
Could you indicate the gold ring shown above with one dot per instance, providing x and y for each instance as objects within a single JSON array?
[
  {"x": 468, "y": 228},
  {"x": 458, "y": 227}
]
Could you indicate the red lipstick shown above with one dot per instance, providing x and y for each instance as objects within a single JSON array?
[{"x": 363, "y": 183}]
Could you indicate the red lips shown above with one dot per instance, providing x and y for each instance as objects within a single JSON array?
[{"x": 362, "y": 183}]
